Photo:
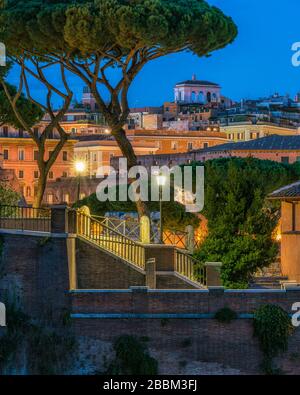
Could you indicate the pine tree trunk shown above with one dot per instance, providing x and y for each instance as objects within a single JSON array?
[{"x": 126, "y": 148}]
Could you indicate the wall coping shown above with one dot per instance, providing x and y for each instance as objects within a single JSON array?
[
  {"x": 33, "y": 233},
  {"x": 175, "y": 291}
]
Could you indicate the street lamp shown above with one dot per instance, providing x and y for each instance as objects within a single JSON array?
[
  {"x": 161, "y": 181},
  {"x": 80, "y": 168}
]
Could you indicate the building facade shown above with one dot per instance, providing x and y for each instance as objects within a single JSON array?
[
  {"x": 197, "y": 91},
  {"x": 20, "y": 155}
]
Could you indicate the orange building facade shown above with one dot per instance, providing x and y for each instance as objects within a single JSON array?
[
  {"x": 173, "y": 141},
  {"x": 20, "y": 154}
]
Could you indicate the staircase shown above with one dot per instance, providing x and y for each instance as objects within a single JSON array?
[
  {"x": 269, "y": 277},
  {"x": 110, "y": 240}
]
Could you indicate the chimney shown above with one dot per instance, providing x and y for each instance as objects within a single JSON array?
[{"x": 194, "y": 77}]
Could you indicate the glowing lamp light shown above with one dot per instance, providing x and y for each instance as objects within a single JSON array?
[
  {"x": 80, "y": 166},
  {"x": 161, "y": 180}
]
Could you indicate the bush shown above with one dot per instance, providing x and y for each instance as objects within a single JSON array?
[
  {"x": 132, "y": 358},
  {"x": 225, "y": 315},
  {"x": 272, "y": 327}
]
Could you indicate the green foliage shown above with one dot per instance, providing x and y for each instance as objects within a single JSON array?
[
  {"x": 31, "y": 113},
  {"x": 51, "y": 351},
  {"x": 132, "y": 358},
  {"x": 87, "y": 26},
  {"x": 272, "y": 327},
  {"x": 240, "y": 219},
  {"x": 225, "y": 315},
  {"x": 8, "y": 196},
  {"x": 174, "y": 213},
  {"x": 47, "y": 350}
]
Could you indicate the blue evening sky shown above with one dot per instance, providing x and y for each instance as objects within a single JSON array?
[{"x": 257, "y": 64}]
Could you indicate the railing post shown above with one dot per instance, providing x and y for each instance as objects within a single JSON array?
[
  {"x": 145, "y": 229},
  {"x": 72, "y": 221},
  {"x": 190, "y": 239},
  {"x": 59, "y": 219},
  {"x": 151, "y": 273},
  {"x": 213, "y": 274}
]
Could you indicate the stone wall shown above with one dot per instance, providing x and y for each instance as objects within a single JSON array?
[
  {"x": 35, "y": 272},
  {"x": 183, "y": 321}
]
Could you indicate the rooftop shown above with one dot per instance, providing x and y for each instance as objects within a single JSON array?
[
  {"x": 270, "y": 143},
  {"x": 291, "y": 191}
]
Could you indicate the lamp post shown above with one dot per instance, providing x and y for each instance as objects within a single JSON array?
[
  {"x": 80, "y": 168},
  {"x": 161, "y": 181}
]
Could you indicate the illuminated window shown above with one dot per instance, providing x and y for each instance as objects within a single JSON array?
[
  {"x": 21, "y": 154},
  {"x": 66, "y": 197},
  {"x": 50, "y": 198}
]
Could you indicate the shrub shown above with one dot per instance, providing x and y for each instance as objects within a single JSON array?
[
  {"x": 132, "y": 358},
  {"x": 225, "y": 315},
  {"x": 272, "y": 327}
]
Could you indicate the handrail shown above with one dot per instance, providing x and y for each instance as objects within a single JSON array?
[
  {"x": 187, "y": 265},
  {"x": 110, "y": 240},
  {"x": 25, "y": 218}
]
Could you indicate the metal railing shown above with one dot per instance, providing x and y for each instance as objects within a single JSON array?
[
  {"x": 131, "y": 229},
  {"x": 189, "y": 267},
  {"x": 111, "y": 240},
  {"x": 25, "y": 218}
]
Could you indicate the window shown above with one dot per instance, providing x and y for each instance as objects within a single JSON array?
[
  {"x": 21, "y": 174},
  {"x": 66, "y": 197},
  {"x": 50, "y": 198},
  {"x": 285, "y": 159},
  {"x": 5, "y": 154},
  {"x": 174, "y": 145},
  {"x": 21, "y": 154},
  {"x": 36, "y": 174},
  {"x": 74, "y": 130},
  {"x": 64, "y": 174},
  {"x": 28, "y": 191},
  {"x": 35, "y": 155},
  {"x": 51, "y": 175},
  {"x": 205, "y": 145},
  {"x": 65, "y": 156},
  {"x": 190, "y": 146},
  {"x": 5, "y": 131}
]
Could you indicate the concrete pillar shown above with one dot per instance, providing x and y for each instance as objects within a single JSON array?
[
  {"x": 59, "y": 219},
  {"x": 71, "y": 250},
  {"x": 213, "y": 275},
  {"x": 190, "y": 239},
  {"x": 151, "y": 273},
  {"x": 145, "y": 228}
]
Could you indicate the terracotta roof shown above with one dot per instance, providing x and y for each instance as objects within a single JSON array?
[{"x": 291, "y": 191}]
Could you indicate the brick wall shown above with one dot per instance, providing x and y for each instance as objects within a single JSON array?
[
  {"x": 170, "y": 318},
  {"x": 35, "y": 270},
  {"x": 99, "y": 270}
]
